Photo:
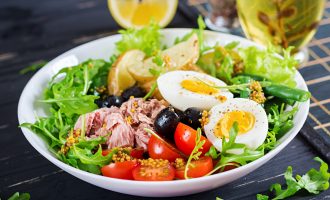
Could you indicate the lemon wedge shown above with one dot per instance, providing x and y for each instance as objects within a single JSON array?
[{"x": 139, "y": 13}]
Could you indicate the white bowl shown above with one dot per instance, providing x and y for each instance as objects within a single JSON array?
[{"x": 104, "y": 48}]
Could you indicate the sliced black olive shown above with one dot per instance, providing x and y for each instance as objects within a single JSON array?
[
  {"x": 166, "y": 122},
  {"x": 134, "y": 91},
  {"x": 192, "y": 117},
  {"x": 114, "y": 101}
]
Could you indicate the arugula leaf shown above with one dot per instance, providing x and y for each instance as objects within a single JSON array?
[
  {"x": 266, "y": 63},
  {"x": 70, "y": 93},
  {"x": 227, "y": 158},
  {"x": 262, "y": 197},
  {"x": 231, "y": 45},
  {"x": 33, "y": 67},
  {"x": 200, "y": 35},
  {"x": 86, "y": 157},
  {"x": 292, "y": 186},
  {"x": 18, "y": 196},
  {"x": 146, "y": 39},
  {"x": 213, "y": 153},
  {"x": 195, "y": 154},
  {"x": 314, "y": 181},
  {"x": 278, "y": 117}
]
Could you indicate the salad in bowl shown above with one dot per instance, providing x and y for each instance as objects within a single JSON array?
[{"x": 161, "y": 109}]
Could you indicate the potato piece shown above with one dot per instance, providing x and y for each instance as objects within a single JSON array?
[
  {"x": 175, "y": 58},
  {"x": 119, "y": 78}
]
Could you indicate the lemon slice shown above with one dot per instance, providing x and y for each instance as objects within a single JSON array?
[{"x": 138, "y": 13}]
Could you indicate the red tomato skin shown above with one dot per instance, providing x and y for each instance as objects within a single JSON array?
[
  {"x": 137, "y": 153},
  {"x": 185, "y": 139},
  {"x": 155, "y": 173},
  {"x": 106, "y": 152},
  {"x": 229, "y": 167},
  {"x": 158, "y": 150},
  {"x": 202, "y": 167},
  {"x": 121, "y": 170}
]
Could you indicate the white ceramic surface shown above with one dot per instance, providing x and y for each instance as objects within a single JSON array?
[{"x": 104, "y": 48}]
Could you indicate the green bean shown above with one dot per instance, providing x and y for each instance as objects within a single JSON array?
[{"x": 285, "y": 92}]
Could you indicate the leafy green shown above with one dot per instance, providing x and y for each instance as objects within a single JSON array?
[
  {"x": 195, "y": 153},
  {"x": 33, "y": 67},
  {"x": 70, "y": 93},
  {"x": 279, "y": 117},
  {"x": 280, "y": 122},
  {"x": 18, "y": 196},
  {"x": 268, "y": 64},
  {"x": 220, "y": 62},
  {"x": 314, "y": 181},
  {"x": 262, "y": 197},
  {"x": 227, "y": 158},
  {"x": 213, "y": 153},
  {"x": 146, "y": 39},
  {"x": 87, "y": 157},
  {"x": 200, "y": 35}
]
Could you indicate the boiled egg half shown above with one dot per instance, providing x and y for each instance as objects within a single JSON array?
[
  {"x": 252, "y": 123},
  {"x": 185, "y": 89}
]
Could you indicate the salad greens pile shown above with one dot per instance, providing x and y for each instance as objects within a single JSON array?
[{"x": 70, "y": 93}]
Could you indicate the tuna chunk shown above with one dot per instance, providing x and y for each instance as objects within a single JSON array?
[{"x": 126, "y": 123}]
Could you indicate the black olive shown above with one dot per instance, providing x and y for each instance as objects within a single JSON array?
[
  {"x": 114, "y": 101},
  {"x": 134, "y": 91},
  {"x": 166, "y": 122},
  {"x": 100, "y": 103},
  {"x": 192, "y": 117},
  {"x": 181, "y": 115}
]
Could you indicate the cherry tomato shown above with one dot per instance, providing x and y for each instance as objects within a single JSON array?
[
  {"x": 202, "y": 167},
  {"x": 229, "y": 167},
  {"x": 121, "y": 170},
  {"x": 137, "y": 153},
  {"x": 185, "y": 139},
  {"x": 148, "y": 173},
  {"x": 158, "y": 150},
  {"x": 105, "y": 152}
]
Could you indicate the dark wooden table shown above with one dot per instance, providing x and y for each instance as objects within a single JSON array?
[{"x": 36, "y": 30}]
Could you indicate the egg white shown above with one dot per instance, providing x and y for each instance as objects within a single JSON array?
[
  {"x": 253, "y": 138},
  {"x": 169, "y": 85}
]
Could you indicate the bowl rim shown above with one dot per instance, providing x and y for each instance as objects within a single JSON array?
[{"x": 248, "y": 167}]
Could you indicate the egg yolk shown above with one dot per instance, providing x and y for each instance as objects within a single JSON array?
[
  {"x": 244, "y": 119},
  {"x": 198, "y": 86}
]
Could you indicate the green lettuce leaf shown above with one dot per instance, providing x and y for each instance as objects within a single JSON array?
[
  {"x": 146, "y": 39},
  {"x": 266, "y": 63}
]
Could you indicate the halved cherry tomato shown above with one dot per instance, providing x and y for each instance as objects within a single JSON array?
[
  {"x": 148, "y": 173},
  {"x": 121, "y": 170},
  {"x": 201, "y": 167},
  {"x": 158, "y": 150},
  {"x": 185, "y": 139},
  {"x": 135, "y": 153}
]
